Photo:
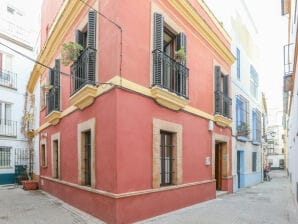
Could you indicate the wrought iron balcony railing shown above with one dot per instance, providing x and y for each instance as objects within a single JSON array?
[
  {"x": 8, "y": 128},
  {"x": 173, "y": 75},
  {"x": 83, "y": 70},
  {"x": 53, "y": 99},
  {"x": 8, "y": 79},
  {"x": 222, "y": 104}
]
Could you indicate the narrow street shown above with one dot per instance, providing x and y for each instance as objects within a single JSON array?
[{"x": 268, "y": 202}]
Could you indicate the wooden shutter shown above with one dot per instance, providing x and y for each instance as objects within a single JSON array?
[
  {"x": 218, "y": 93},
  {"x": 91, "y": 29},
  {"x": 226, "y": 102},
  {"x": 57, "y": 85},
  {"x": 92, "y": 45},
  {"x": 80, "y": 37},
  {"x": 158, "y": 49},
  {"x": 181, "y": 73}
]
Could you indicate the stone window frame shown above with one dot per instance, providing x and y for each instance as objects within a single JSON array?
[
  {"x": 43, "y": 142},
  {"x": 56, "y": 137},
  {"x": 88, "y": 125},
  {"x": 176, "y": 130}
]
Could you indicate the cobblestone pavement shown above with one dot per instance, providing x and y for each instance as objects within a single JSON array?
[
  {"x": 265, "y": 203},
  {"x": 36, "y": 207}
]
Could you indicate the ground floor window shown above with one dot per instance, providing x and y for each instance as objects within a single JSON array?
[
  {"x": 5, "y": 157},
  {"x": 87, "y": 157},
  {"x": 166, "y": 158},
  {"x": 254, "y": 162},
  {"x": 43, "y": 155}
]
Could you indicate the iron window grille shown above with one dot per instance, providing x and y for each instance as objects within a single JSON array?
[
  {"x": 5, "y": 157},
  {"x": 166, "y": 158},
  {"x": 8, "y": 79},
  {"x": 242, "y": 114}
]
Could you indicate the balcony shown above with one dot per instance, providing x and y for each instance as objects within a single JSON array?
[
  {"x": 173, "y": 75},
  {"x": 288, "y": 67},
  {"x": 8, "y": 79},
  {"x": 222, "y": 104},
  {"x": 8, "y": 128},
  {"x": 83, "y": 70}
]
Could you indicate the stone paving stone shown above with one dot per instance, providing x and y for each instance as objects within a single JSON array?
[
  {"x": 37, "y": 207},
  {"x": 265, "y": 203}
]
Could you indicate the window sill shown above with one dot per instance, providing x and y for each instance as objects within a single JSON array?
[
  {"x": 54, "y": 117},
  {"x": 256, "y": 143},
  {"x": 242, "y": 138},
  {"x": 168, "y": 99},
  {"x": 222, "y": 121},
  {"x": 84, "y": 97}
]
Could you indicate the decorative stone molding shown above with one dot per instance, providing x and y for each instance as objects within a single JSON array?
[
  {"x": 54, "y": 117},
  {"x": 168, "y": 99},
  {"x": 84, "y": 97},
  {"x": 222, "y": 121}
]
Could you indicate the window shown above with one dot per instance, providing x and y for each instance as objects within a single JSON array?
[
  {"x": 5, "y": 157},
  {"x": 256, "y": 126},
  {"x": 87, "y": 157},
  {"x": 169, "y": 69},
  {"x": 83, "y": 70},
  {"x": 254, "y": 161},
  {"x": 56, "y": 159},
  {"x": 221, "y": 94},
  {"x": 242, "y": 125},
  {"x": 166, "y": 158},
  {"x": 254, "y": 82},
  {"x": 43, "y": 155},
  {"x": 238, "y": 63},
  {"x": 86, "y": 153},
  {"x": 53, "y": 97},
  {"x": 167, "y": 153}
]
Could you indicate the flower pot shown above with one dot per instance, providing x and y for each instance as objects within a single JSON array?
[{"x": 30, "y": 185}]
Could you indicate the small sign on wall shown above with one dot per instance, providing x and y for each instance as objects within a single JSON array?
[{"x": 207, "y": 161}]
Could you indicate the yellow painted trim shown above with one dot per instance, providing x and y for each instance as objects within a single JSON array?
[
  {"x": 222, "y": 121},
  {"x": 54, "y": 117},
  {"x": 214, "y": 19},
  {"x": 192, "y": 16},
  {"x": 168, "y": 99},
  {"x": 65, "y": 18},
  {"x": 84, "y": 97},
  {"x": 126, "y": 84}
]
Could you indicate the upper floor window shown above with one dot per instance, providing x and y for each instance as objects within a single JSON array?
[
  {"x": 83, "y": 70},
  {"x": 7, "y": 77},
  {"x": 242, "y": 114},
  {"x": 53, "y": 97},
  {"x": 222, "y": 100},
  {"x": 256, "y": 126},
  {"x": 254, "y": 82},
  {"x": 238, "y": 63},
  {"x": 169, "y": 58},
  {"x": 8, "y": 127}
]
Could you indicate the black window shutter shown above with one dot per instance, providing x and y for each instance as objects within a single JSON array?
[
  {"x": 91, "y": 29},
  {"x": 52, "y": 77},
  {"x": 91, "y": 32},
  {"x": 181, "y": 43},
  {"x": 218, "y": 93},
  {"x": 57, "y": 85},
  {"x": 158, "y": 49},
  {"x": 226, "y": 103},
  {"x": 80, "y": 37}
]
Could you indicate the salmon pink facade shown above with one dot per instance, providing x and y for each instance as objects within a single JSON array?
[{"x": 139, "y": 124}]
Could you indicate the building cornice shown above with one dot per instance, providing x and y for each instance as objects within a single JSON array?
[{"x": 192, "y": 16}]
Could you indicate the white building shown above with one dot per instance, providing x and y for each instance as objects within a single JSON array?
[
  {"x": 290, "y": 121},
  {"x": 247, "y": 101},
  {"x": 18, "y": 33}
]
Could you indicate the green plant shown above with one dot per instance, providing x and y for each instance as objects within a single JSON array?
[
  {"x": 70, "y": 52},
  {"x": 243, "y": 128},
  {"x": 180, "y": 55}
]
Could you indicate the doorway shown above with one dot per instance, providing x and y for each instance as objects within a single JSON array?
[{"x": 218, "y": 165}]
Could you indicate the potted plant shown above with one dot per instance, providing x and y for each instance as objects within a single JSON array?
[
  {"x": 46, "y": 88},
  {"x": 180, "y": 55},
  {"x": 70, "y": 52},
  {"x": 242, "y": 129}
]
